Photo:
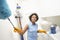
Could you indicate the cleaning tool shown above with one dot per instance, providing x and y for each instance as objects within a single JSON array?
[
  {"x": 18, "y": 17},
  {"x": 5, "y": 12}
]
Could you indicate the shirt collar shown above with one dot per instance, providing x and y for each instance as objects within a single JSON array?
[{"x": 32, "y": 23}]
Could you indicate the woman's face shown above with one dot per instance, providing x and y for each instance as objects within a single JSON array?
[{"x": 33, "y": 18}]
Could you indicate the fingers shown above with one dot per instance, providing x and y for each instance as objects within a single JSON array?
[
  {"x": 42, "y": 31},
  {"x": 15, "y": 29},
  {"x": 45, "y": 32}
]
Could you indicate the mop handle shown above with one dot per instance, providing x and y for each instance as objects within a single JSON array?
[{"x": 11, "y": 23}]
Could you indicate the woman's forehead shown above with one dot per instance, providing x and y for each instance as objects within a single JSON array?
[{"x": 34, "y": 15}]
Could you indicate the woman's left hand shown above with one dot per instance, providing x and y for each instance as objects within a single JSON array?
[{"x": 42, "y": 31}]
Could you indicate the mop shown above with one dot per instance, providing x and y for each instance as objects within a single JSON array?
[{"x": 18, "y": 17}]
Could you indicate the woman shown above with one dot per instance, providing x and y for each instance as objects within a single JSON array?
[{"x": 32, "y": 28}]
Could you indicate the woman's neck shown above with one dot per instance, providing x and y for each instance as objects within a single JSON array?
[{"x": 33, "y": 22}]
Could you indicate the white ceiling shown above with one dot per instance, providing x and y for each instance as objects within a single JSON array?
[{"x": 43, "y": 7}]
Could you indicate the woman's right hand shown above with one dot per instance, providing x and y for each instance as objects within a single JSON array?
[{"x": 16, "y": 29}]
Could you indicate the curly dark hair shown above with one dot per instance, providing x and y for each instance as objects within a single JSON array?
[{"x": 32, "y": 15}]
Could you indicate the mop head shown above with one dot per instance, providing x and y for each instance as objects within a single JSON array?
[{"x": 4, "y": 10}]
